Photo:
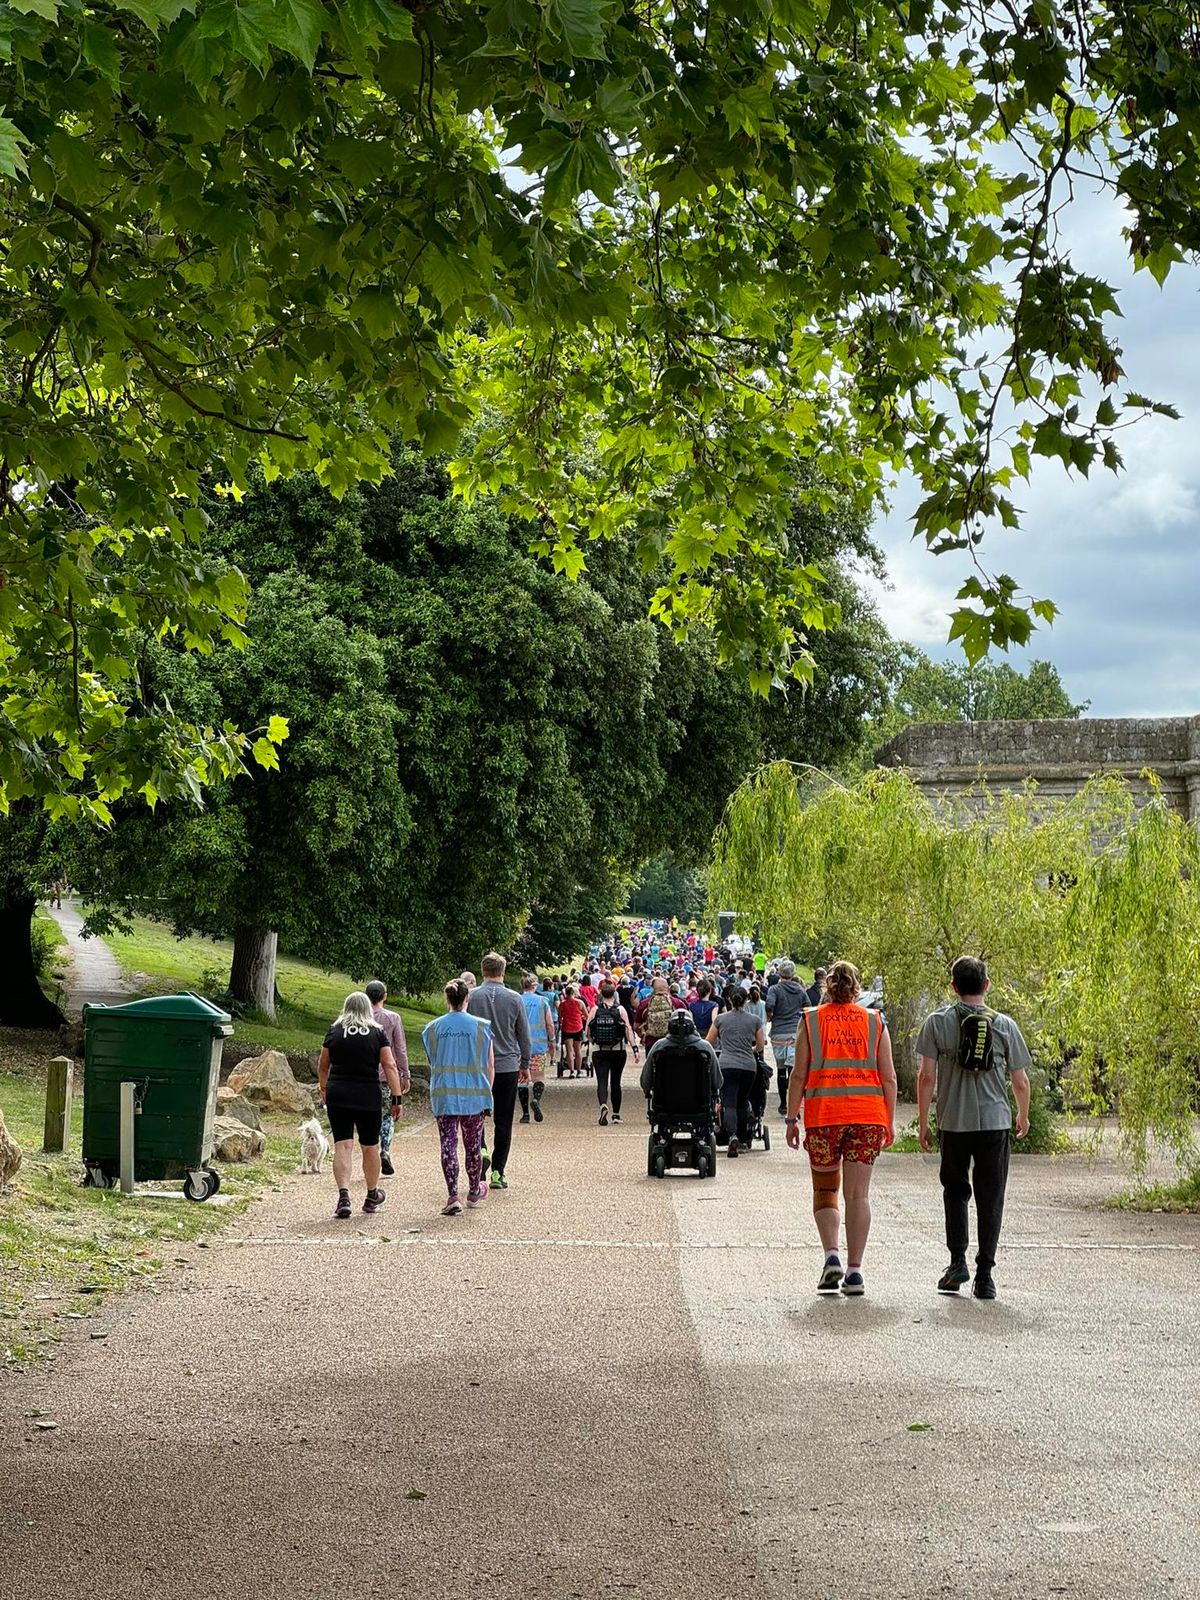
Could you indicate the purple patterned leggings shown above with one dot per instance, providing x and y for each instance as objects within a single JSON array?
[{"x": 472, "y": 1136}]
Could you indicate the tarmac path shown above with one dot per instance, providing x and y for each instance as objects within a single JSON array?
[
  {"x": 601, "y": 1385},
  {"x": 95, "y": 976}
]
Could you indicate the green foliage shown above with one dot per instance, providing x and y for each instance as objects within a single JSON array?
[
  {"x": 753, "y": 236},
  {"x": 938, "y": 691},
  {"x": 666, "y": 889},
  {"x": 1086, "y": 911},
  {"x": 1181, "y": 1196},
  {"x": 478, "y": 744}
]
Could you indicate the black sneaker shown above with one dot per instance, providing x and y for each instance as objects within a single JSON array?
[
  {"x": 525, "y": 1117},
  {"x": 374, "y": 1201},
  {"x": 386, "y": 1167},
  {"x": 952, "y": 1280},
  {"x": 983, "y": 1288},
  {"x": 538, "y": 1114},
  {"x": 733, "y": 1148},
  {"x": 342, "y": 1209},
  {"x": 831, "y": 1275}
]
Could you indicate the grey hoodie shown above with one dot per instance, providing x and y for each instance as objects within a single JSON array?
[{"x": 786, "y": 1002}]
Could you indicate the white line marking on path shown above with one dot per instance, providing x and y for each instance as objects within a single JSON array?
[{"x": 480, "y": 1242}]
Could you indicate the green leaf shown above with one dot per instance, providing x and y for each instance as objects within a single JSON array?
[
  {"x": 580, "y": 166},
  {"x": 13, "y": 145},
  {"x": 297, "y": 26},
  {"x": 99, "y": 47},
  {"x": 920, "y": 1427},
  {"x": 277, "y": 729},
  {"x": 580, "y": 24},
  {"x": 265, "y": 753},
  {"x": 248, "y": 26},
  {"x": 38, "y": 8}
]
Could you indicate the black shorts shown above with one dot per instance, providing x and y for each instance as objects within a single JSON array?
[
  {"x": 578, "y": 1035},
  {"x": 354, "y": 1107}
]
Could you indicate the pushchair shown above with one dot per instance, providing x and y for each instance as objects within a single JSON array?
[
  {"x": 680, "y": 1109},
  {"x": 756, "y": 1126}
]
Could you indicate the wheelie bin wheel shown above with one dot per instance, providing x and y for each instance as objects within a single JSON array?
[{"x": 196, "y": 1186}]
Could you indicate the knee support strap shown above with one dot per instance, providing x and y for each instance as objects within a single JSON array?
[{"x": 825, "y": 1190}]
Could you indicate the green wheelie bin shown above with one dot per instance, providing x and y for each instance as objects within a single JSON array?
[{"x": 169, "y": 1047}]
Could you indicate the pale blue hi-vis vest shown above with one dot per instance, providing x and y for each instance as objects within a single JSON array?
[
  {"x": 535, "y": 1014},
  {"x": 457, "y": 1047}
]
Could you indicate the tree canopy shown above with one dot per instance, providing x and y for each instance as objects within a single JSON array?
[
  {"x": 750, "y": 234},
  {"x": 923, "y": 690},
  {"x": 474, "y": 737}
]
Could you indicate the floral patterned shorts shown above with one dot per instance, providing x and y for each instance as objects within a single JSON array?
[
  {"x": 538, "y": 1063},
  {"x": 847, "y": 1141}
]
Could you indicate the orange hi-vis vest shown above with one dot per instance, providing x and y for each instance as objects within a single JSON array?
[{"x": 843, "y": 1085}]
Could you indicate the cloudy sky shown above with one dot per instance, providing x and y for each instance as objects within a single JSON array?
[{"x": 1117, "y": 554}]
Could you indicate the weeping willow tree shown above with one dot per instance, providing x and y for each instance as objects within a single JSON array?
[{"x": 1087, "y": 911}]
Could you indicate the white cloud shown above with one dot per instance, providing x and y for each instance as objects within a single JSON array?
[{"x": 1117, "y": 554}]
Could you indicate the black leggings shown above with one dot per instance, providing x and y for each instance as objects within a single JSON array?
[
  {"x": 609, "y": 1065},
  {"x": 736, "y": 1084}
]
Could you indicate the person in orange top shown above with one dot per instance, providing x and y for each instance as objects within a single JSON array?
[{"x": 846, "y": 1081}]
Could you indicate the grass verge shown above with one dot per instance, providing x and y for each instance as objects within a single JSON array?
[
  {"x": 158, "y": 963},
  {"x": 64, "y": 1248},
  {"x": 1182, "y": 1197}
]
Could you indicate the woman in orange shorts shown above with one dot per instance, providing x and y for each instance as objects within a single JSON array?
[{"x": 845, "y": 1079}]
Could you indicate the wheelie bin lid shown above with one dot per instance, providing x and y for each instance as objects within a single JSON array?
[{"x": 187, "y": 1007}]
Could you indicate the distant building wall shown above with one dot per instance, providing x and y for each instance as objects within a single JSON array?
[{"x": 946, "y": 758}]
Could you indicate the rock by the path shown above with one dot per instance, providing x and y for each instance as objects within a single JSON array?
[
  {"x": 236, "y": 1053},
  {"x": 10, "y": 1155},
  {"x": 234, "y": 1141},
  {"x": 268, "y": 1080},
  {"x": 232, "y": 1104}
]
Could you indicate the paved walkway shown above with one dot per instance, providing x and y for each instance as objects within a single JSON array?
[
  {"x": 601, "y": 1385},
  {"x": 95, "y": 976}
]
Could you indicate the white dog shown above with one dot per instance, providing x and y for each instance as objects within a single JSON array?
[{"x": 314, "y": 1146}]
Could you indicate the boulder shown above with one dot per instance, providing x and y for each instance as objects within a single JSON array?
[
  {"x": 10, "y": 1155},
  {"x": 234, "y": 1055},
  {"x": 232, "y": 1104},
  {"x": 268, "y": 1081},
  {"x": 234, "y": 1141}
]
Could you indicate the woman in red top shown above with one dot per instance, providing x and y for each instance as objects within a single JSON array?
[{"x": 570, "y": 1027}]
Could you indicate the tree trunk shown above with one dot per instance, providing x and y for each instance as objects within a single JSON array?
[
  {"x": 252, "y": 974},
  {"x": 22, "y": 1003}
]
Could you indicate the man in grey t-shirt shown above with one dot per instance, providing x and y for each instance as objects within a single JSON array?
[
  {"x": 502, "y": 1007},
  {"x": 974, "y": 1121}
]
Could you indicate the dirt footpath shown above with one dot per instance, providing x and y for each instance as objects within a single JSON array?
[{"x": 600, "y": 1385}]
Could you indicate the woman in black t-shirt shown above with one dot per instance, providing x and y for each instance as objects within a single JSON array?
[{"x": 355, "y": 1049}]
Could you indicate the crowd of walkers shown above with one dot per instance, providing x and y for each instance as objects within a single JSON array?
[{"x": 650, "y": 988}]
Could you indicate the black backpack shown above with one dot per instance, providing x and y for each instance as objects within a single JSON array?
[
  {"x": 976, "y": 1026},
  {"x": 608, "y": 1027}
]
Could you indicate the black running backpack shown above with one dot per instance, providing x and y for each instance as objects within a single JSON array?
[
  {"x": 976, "y": 1026},
  {"x": 608, "y": 1027}
]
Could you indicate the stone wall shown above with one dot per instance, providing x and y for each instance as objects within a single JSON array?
[{"x": 946, "y": 758}]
